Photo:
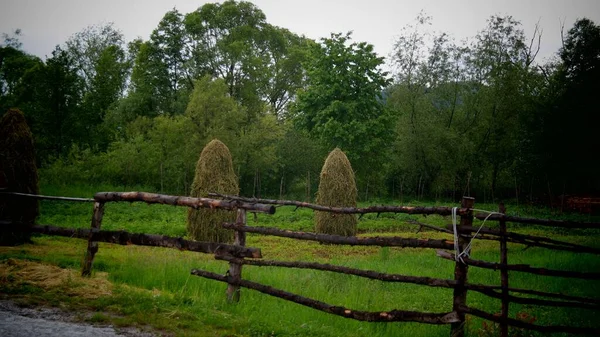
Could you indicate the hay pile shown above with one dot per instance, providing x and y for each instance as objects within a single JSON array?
[
  {"x": 337, "y": 187},
  {"x": 214, "y": 173},
  {"x": 18, "y": 173},
  {"x": 17, "y": 273}
]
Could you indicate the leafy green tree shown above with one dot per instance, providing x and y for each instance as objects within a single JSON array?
[
  {"x": 342, "y": 103},
  {"x": 51, "y": 94},
  {"x": 88, "y": 46},
  {"x": 170, "y": 55}
]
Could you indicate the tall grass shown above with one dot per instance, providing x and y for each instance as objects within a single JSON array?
[{"x": 166, "y": 275}]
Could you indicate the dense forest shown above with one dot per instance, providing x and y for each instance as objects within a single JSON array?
[{"x": 480, "y": 117}]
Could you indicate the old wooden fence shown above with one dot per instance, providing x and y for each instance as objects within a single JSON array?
[{"x": 238, "y": 255}]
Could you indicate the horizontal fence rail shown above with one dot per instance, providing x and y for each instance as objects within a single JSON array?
[
  {"x": 45, "y": 197},
  {"x": 383, "y": 316},
  {"x": 153, "y": 198},
  {"x": 425, "y": 210},
  {"x": 524, "y": 325},
  {"x": 347, "y": 210},
  {"x": 574, "y": 302},
  {"x": 522, "y": 268},
  {"x": 139, "y": 239},
  {"x": 346, "y": 240}
]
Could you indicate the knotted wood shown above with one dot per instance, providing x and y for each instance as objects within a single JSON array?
[
  {"x": 153, "y": 198},
  {"x": 384, "y": 316}
]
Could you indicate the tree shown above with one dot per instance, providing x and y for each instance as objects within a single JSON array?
[
  {"x": 342, "y": 103},
  {"x": 170, "y": 55},
  {"x": 570, "y": 116},
  {"x": 52, "y": 95},
  {"x": 337, "y": 188},
  {"x": 88, "y": 46},
  {"x": 214, "y": 173}
]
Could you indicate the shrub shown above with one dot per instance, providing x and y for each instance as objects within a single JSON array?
[
  {"x": 18, "y": 173},
  {"x": 337, "y": 187},
  {"x": 214, "y": 173}
]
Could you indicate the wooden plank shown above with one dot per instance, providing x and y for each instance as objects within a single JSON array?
[
  {"x": 384, "y": 316},
  {"x": 460, "y": 271},
  {"x": 92, "y": 243},
  {"x": 346, "y": 240}
]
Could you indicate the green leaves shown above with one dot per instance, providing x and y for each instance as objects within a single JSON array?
[{"x": 341, "y": 105}]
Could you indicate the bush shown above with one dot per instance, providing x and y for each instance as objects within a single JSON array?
[
  {"x": 337, "y": 188},
  {"x": 214, "y": 173},
  {"x": 18, "y": 173}
]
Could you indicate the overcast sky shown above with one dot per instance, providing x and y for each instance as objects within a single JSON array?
[{"x": 47, "y": 23}]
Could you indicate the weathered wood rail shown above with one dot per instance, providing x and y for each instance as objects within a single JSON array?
[
  {"x": 463, "y": 234},
  {"x": 238, "y": 255}
]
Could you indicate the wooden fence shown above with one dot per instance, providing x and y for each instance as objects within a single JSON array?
[{"x": 238, "y": 255}]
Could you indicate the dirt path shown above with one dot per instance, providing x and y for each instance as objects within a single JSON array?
[{"x": 49, "y": 322}]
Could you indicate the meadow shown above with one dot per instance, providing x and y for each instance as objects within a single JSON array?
[{"x": 152, "y": 287}]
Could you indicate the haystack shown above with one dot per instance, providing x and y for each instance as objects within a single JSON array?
[
  {"x": 337, "y": 187},
  {"x": 18, "y": 173},
  {"x": 214, "y": 173}
]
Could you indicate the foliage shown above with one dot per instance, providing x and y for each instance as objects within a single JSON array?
[
  {"x": 341, "y": 105},
  {"x": 18, "y": 173},
  {"x": 482, "y": 117},
  {"x": 336, "y": 188},
  {"x": 214, "y": 173}
]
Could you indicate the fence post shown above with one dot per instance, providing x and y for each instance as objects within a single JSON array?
[
  {"x": 93, "y": 245},
  {"x": 503, "y": 272},
  {"x": 235, "y": 270},
  {"x": 460, "y": 271}
]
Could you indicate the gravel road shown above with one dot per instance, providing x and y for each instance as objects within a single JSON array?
[{"x": 46, "y": 322}]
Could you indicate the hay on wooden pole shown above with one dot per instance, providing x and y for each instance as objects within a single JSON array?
[
  {"x": 214, "y": 173},
  {"x": 337, "y": 187},
  {"x": 18, "y": 173}
]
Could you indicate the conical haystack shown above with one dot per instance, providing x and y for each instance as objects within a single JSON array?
[
  {"x": 337, "y": 188},
  {"x": 18, "y": 173},
  {"x": 214, "y": 173}
]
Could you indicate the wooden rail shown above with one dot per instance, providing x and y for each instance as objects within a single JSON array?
[
  {"x": 346, "y": 240},
  {"x": 383, "y": 316},
  {"x": 140, "y": 239}
]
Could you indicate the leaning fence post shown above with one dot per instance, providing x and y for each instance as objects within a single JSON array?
[
  {"x": 235, "y": 269},
  {"x": 503, "y": 272},
  {"x": 92, "y": 244},
  {"x": 460, "y": 271}
]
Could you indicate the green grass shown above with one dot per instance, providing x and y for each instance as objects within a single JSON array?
[{"x": 154, "y": 286}]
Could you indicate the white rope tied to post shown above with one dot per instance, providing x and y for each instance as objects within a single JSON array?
[{"x": 457, "y": 253}]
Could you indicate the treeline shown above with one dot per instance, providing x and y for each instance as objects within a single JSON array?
[{"x": 480, "y": 117}]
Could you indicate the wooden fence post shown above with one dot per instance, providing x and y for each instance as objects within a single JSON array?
[
  {"x": 460, "y": 271},
  {"x": 93, "y": 245},
  {"x": 503, "y": 272},
  {"x": 235, "y": 269}
]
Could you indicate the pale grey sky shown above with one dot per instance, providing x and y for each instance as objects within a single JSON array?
[{"x": 46, "y": 23}]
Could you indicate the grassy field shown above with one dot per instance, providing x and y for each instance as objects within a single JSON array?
[{"x": 153, "y": 288}]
